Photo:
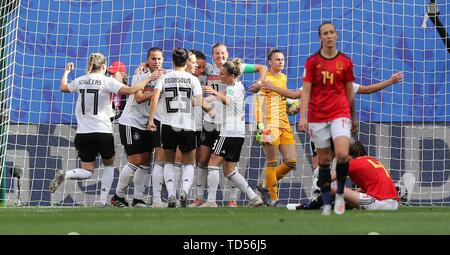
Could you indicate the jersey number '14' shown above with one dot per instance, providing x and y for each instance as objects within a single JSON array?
[{"x": 327, "y": 76}]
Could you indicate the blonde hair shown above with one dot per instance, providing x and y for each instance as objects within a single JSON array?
[
  {"x": 95, "y": 62},
  {"x": 233, "y": 67}
]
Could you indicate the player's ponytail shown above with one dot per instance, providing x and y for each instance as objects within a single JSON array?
[
  {"x": 95, "y": 62},
  {"x": 233, "y": 67}
]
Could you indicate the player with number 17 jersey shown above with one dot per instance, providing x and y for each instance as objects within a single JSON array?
[{"x": 93, "y": 109}]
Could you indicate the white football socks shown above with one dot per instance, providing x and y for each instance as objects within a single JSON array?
[
  {"x": 241, "y": 183},
  {"x": 157, "y": 180},
  {"x": 213, "y": 182},
  {"x": 125, "y": 178},
  {"x": 187, "y": 177},
  {"x": 169, "y": 177},
  {"x": 201, "y": 175},
  {"x": 177, "y": 171},
  {"x": 139, "y": 182},
  {"x": 107, "y": 180},
  {"x": 233, "y": 189}
]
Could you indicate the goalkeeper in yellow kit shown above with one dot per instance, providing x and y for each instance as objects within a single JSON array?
[{"x": 274, "y": 131}]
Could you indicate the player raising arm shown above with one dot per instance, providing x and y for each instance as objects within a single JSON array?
[
  {"x": 93, "y": 112},
  {"x": 357, "y": 89}
]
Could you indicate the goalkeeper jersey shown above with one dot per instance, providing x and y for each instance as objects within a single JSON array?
[{"x": 270, "y": 106}]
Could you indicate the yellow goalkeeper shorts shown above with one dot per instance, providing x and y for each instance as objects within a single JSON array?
[{"x": 281, "y": 136}]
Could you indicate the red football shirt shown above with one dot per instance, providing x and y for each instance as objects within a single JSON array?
[
  {"x": 370, "y": 175},
  {"x": 328, "y": 76}
]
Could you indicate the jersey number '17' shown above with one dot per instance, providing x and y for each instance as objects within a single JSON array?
[{"x": 89, "y": 91}]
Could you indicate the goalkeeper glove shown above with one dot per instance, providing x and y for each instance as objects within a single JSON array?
[
  {"x": 260, "y": 129},
  {"x": 263, "y": 134}
]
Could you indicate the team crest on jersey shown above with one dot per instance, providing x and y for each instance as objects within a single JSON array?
[
  {"x": 150, "y": 86},
  {"x": 318, "y": 66},
  {"x": 136, "y": 136},
  {"x": 339, "y": 66},
  {"x": 202, "y": 137}
]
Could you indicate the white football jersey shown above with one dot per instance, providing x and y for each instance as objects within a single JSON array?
[
  {"x": 203, "y": 79},
  {"x": 177, "y": 90},
  {"x": 160, "y": 113},
  {"x": 135, "y": 114},
  {"x": 198, "y": 111},
  {"x": 94, "y": 103},
  {"x": 234, "y": 119},
  {"x": 212, "y": 72}
]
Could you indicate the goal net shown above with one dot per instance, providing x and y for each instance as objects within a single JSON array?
[{"x": 405, "y": 125}]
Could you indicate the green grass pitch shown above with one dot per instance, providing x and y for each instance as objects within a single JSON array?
[{"x": 221, "y": 221}]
